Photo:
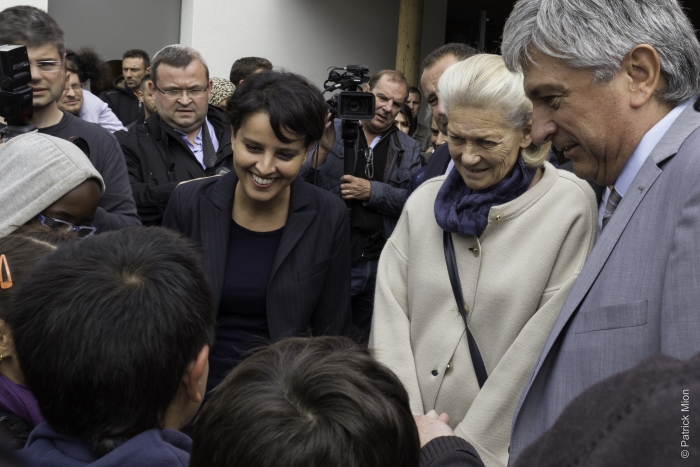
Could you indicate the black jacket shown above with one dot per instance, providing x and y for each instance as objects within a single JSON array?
[
  {"x": 386, "y": 197},
  {"x": 158, "y": 159},
  {"x": 122, "y": 100},
  {"x": 309, "y": 286}
]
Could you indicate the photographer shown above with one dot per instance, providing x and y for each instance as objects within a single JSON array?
[{"x": 386, "y": 159}]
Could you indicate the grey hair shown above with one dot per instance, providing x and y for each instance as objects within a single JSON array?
[
  {"x": 598, "y": 35},
  {"x": 484, "y": 82},
  {"x": 178, "y": 56}
]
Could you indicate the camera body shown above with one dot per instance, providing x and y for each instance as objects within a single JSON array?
[
  {"x": 15, "y": 94},
  {"x": 350, "y": 104}
]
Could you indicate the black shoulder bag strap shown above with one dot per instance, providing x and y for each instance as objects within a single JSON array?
[{"x": 451, "y": 261}]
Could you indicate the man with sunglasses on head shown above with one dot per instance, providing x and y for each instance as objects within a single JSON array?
[
  {"x": 34, "y": 28},
  {"x": 186, "y": 139}
]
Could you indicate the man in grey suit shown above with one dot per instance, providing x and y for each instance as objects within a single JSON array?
[{"x": 614, "y": 83}]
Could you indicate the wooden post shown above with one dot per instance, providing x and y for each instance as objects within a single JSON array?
[{"x": 408, "y": 42}]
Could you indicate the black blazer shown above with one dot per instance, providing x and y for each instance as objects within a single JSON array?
[{"x": 309, "y": 287}]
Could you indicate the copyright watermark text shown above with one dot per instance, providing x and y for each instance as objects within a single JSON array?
[{"x": 685, "y": 424}]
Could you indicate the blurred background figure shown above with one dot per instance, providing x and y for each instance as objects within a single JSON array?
[
  {"x": 221, "y": 90},
  {"x": 123, "y": 98},
  {"x": 82, "y": 103},
  {"x": 147, "y": 100},
  {"x": 419, "y": 132},
  {"x": 404, "y": 120},
  {"x": 246, "y": 66}
]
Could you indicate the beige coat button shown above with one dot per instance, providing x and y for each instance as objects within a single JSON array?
[
  {"x": 449, "y": 368},
  {"x": 498, "y": 217},
  {"x": 475, "y": 249}
]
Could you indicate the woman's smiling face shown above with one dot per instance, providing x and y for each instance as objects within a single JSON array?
[
  {"x": 484, "y": 149},
  {"x": 265, "y": 165}
]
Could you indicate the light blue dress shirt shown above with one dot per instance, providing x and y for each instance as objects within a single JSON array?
[
  {"x": 198, "y": 148},
  {"x": 640, "y": 154}
]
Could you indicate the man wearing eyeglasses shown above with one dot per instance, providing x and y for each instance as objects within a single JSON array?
[
  {"x": 34, "y": 28},
  {"x": 186, "y": 139}
]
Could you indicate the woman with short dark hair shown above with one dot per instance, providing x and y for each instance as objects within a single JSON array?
[{"x": 275, "y": 247}]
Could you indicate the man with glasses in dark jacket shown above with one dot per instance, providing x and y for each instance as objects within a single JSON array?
[{"x": 184, "y": 140}]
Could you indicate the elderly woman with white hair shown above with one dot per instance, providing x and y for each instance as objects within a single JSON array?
[{"x": 504, "y": 235}]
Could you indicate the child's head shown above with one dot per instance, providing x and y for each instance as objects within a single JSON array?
[
  {"x": 19, "y": 253},
  {"x": 113, "y": 334},
  {"x": 307, "y": 402}
]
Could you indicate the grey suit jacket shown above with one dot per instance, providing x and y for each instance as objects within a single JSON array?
[{"x": 637, "y": 295}]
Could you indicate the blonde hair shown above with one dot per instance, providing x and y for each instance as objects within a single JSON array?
[{"x": 483, "y": 81}]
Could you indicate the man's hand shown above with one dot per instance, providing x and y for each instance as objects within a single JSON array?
[
  {"x": 355, "y": 188},
  {"x": 431, "y": 426},
  {"x": 326, "y": 143}
]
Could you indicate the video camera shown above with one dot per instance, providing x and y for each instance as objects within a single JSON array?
[
  {"x": 15, "y": 94},
  {"x": 350, "y": 104}
]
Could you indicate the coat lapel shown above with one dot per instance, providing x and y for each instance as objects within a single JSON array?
[
  {"x": 298, "y": 221},
  {"x": 215, "y": 224},
  {"x": 686, "y": 123}
]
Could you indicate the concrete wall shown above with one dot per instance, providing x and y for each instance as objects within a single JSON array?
[{"x": 112, "y": 27}]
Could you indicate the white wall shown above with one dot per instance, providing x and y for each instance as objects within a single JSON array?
[
  {"x": 40, "y": 4},
  {"x": 302, "y": 36}
]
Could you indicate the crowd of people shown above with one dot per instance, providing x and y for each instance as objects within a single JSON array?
[{"x": 190, "y": 275}]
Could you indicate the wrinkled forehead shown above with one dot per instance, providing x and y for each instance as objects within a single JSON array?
[{"x": 544, "y": 74}]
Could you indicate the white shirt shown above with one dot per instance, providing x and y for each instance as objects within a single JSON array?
[{"x": 640, "y": 154}]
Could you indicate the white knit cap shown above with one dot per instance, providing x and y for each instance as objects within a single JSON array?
[{"x": 36, "y": 170}]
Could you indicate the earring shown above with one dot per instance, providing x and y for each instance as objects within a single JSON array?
[{"x": 0, "y": 357}]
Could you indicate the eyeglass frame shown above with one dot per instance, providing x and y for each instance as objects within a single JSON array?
[
  {"x": 181, "y": 91},
  {"x": 53, "y": 62},
  {"x": 73, "y": 87},
  {"x": 72, "y": 227}
]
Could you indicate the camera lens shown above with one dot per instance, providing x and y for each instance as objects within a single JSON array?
[{"x": 354, "y": 106}]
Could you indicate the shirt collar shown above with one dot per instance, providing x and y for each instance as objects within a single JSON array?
[
  {"x": 198, "y": 138},
  {"x": 644, "y": 149}
]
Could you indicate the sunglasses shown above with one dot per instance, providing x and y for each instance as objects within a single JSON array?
[{"x": 81, "y": 231}]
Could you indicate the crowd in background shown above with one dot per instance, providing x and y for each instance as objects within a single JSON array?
[{"x": 203, "y": 271}]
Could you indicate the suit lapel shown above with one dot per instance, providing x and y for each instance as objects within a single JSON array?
[
  {"x": 215, "y": 223},
  {"x": 686, "y": 123},
  {"x": 298, "y": 221}
]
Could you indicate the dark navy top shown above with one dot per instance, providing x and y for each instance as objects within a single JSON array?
[{"x": 242, "y": 319}]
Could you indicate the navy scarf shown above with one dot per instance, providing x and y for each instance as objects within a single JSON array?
[{"x": 460, "y": 209}]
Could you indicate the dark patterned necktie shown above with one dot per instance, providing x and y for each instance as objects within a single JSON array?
[{"x": 611, "y": 205}]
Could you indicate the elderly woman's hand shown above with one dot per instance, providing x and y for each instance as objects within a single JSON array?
[{"x": 355, "y": 188}]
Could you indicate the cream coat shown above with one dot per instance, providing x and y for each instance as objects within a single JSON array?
[{"x": 515, "y": 279}]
